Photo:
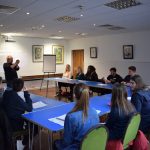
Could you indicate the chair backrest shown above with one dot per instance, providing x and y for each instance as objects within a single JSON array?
[
  {"x": 132, "y": 129},
  {"x": 95, "y": 139}
]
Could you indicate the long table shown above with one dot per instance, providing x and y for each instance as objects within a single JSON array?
[
  {"x": 98, "y": 85},
  {"x": 55, "y": 108}
]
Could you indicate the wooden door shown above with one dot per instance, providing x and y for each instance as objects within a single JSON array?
[{"x": 77, "y": 60}]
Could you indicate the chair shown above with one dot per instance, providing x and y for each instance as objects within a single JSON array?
[
  {"x": 132, "y": 130},
  {"x": 95, "y": 139},
  {"x": 10, "y": 137}
]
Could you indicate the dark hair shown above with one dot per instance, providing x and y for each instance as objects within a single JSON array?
[
  {"x": 18, "y": 85},
  {"x": 1, "y": 79},
  {"x": 113, "y": 69},
  {"x": 133, "y": 68},
  {"x": 82, "y": 95},
  {"x": 139, "y": 82},
  {"x": 119, "y": 99}
]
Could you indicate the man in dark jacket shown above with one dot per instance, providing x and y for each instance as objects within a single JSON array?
[{"x": 10, "y": 70}]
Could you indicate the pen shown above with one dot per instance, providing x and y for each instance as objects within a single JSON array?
[{"x": 60, "y": 119}]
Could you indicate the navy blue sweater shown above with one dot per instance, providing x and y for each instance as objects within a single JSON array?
[
  {"x": 15, "y": 106},
  {"x": 117, "y": 124},
  {"x": 141, "y": 101}
]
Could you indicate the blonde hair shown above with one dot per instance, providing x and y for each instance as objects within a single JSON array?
[
  {"x": 82, "y": 95},
  {"x": 119, "y": 99}
]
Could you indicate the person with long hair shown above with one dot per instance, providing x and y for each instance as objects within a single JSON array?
[
  {"x": 121, "y": 111},
  {"x": 141, "y": 100},
  {"x": 68, "y": 75},
  {"x": 80, "y": 74},
  {"x": 78, "y": 121},
  {"x": 91, "y": 74}
]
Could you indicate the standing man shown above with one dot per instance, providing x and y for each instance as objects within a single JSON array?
[{"x": 10, "y": 70}]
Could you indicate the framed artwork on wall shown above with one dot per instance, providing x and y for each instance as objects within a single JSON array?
[
  {"x": 93, "y": 52},
  {"x": 58, "y": 50},
  {"x": 128, "y": 51},
  {"x": 37, "y": 53}
]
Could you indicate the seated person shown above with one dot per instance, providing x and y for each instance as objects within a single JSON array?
[
  {"x": 80, "y": 74},
  {"x": 91, "y": 74},
  {"x": 15, "y": 106},
  {"x": 78, "y": 121},
  {"x": 131, "y": 73},
  {"x": 141, "y": 100},
  {"x": 121, "y": 112},
  {"x": 113, "y": 77},
  {"x": 1, "y": 90},
  {"x": 67, "y": 74}
]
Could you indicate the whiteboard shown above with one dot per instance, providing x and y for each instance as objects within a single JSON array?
[{"x": 49, "y": 63}]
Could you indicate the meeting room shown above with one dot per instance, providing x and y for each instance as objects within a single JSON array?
[{"x": 74, "y": 75}]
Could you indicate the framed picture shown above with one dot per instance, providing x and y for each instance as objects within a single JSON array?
[
  {"x": 128, "y": 51},
  {"x": 58, "y": 50},
  {"x": 37, "y": 53},
  {"x": 93, "y": 52}
]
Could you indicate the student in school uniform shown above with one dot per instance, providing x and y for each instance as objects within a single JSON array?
[
  {"x": 1, "y": 90},
  {"x": 121, "y": 112},
  {"x": 67, "y": 74},
  {"x": 141, "y": 100},
  {"x": 131, "y": 73},
  {"x": 91, "y": 74},
  {"x": 78, "y": 121},
  {"x": 14, "y": 105},
  {"x": 113, "y": 77},
  {"x": 80, "y": 74}
]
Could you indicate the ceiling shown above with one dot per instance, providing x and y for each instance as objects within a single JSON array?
[{"x": 41, "y": 22}]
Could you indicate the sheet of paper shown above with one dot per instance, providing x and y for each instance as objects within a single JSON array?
[
  {"x": 62, "y": 117},
  {"x": 98, "y": 111},
  {"x": 57, "y": 121},
  {"x": 21, "y": 94},
  {"x": 101, "y": 84},
  {"x": 38, "y": 105},
  {"x": 129, "y": 98}
]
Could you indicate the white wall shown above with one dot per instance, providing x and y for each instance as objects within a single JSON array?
[
  {"x": 110, "y": 53},
  {"x": 22, "y": 49}
]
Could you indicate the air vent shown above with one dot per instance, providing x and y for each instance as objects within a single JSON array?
[
  {"x": 122, "y": 4},
  {"x": 67, "y": 19},
  {"x": 8, "y": 9}
]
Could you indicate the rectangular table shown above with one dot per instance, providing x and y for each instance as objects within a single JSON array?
[
  {"x": 93, "y": 84},
  {"x": 41, "y": 117}
]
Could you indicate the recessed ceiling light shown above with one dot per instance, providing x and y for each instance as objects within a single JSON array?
[
  {"x": 28, "y": 13},
  {"x": 94, "y": 24},
  {"x": 77, "y": 33},
  {"x": 43, "y": 26},
  {"x": 83, "y": 34},
  {"x": 81, "y": 15},
  {"x": 59, "y": 31},
  {"x": 1, "y": 25}
]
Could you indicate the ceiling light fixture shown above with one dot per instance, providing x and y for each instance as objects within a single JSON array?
[
  {"x": 56, "y": 37},
  {"x": 122, "y": 4},
  {"x": 28, "y": 13}
]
